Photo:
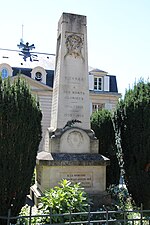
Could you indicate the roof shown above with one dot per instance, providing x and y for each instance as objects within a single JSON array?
[
  {"x": 96, "y": 71},
  {"x": 45, "y": 60},
  {"x": 113, "y": 84},
  {"x": 12, "y": 57},
  {"x": 35, "y": 83}
]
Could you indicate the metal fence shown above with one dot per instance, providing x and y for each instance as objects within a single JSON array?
[{"x": 104, "y": 217}]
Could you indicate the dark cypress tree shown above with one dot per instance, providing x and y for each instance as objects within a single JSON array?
[
  {"x": 132, "y": 123},
  {"x": 20, "y": 135},
  {"x": 101, "y": 123}
]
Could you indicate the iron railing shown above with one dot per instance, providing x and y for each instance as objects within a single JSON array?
[{"x": 104, "y": 217}]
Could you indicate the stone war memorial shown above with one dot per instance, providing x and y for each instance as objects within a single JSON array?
[{"x": 71, "y": 148}]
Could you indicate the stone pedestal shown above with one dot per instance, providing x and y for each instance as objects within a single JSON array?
[{"x": 89, "y": 169}]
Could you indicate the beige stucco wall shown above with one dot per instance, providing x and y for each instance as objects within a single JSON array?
[
  {"x": 43, "y": 94},
  {"x": 109, "y": 99}
]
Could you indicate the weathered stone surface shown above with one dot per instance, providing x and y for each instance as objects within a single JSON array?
[
  {"x": 70, "y": 92},
  {"x": 92, "y": 178},
  {"x": 75, "y": 159},
  {"x": 71, "y": 149},
  {"x": 73, "y": 140}
]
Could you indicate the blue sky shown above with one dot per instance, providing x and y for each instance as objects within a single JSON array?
[{"x": 118, "y": 32}]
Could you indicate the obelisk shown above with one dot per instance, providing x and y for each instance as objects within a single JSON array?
[
  {"x": 71, "y": 90},
  {"x": 72, "y": 149}
]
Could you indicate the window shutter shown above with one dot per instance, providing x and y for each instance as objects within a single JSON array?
[
  {"x": 106, "y": 83},
  {"x": 91, "y": 82}
]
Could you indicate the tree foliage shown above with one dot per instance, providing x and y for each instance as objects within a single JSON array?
[
  {"x": 101, "y": 123},
  {"x": 20, "y": 135},
  {"x": 132, "y": 124}
]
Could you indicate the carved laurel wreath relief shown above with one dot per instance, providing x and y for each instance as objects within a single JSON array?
[
  {"x": 74, "y": 45},
  {"x": 75, "y": 139}
]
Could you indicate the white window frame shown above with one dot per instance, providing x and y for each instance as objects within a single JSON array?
[
  {"x": 7, "y": 67},
  {"x": 98, "y": 83},
  {"x": 97, "y": 107},
  {"x": 41, "y": 70}
]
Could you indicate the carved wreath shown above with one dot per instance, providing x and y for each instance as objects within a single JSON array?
[{"x": 74, "y": 45}]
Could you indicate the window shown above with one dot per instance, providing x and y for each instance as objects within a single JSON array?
[
  {"x": 4, "y": 73},
  {"x": 98, "y": 83},
  {"x": 39, "y": 73},
  {"x": 5, "y": 70},
  {"x": 38, "y": 76},
  {"x": 97, "y": 106}
]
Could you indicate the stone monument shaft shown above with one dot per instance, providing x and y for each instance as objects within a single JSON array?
[
  {"x": 71, "y": 90},
  {"x": 72, "y": 149}
]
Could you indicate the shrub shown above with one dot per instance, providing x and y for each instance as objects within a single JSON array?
[
  {"x": 61, "y": 199},
  {"x": 132, "y": 125},
  {"x": 102, "y": 125},
  {"x": 20, "y": 135}
]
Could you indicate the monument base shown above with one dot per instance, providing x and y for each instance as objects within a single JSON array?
[
  {"x": 87, "y": 169},
  {"x": 35, "y": 194}
]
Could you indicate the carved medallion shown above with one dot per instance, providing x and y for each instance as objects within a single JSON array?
[
  {"x": 75, "y": 139},
  {"x": 74, "y": 44}
]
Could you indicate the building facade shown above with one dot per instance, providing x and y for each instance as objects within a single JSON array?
[
  {"x": 39, "y": 74},
  {"x": 103, "y": 90}
]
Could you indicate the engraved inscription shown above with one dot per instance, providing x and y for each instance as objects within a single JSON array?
[
  {"x": 74, "y": 92},
  {"x": 74, "y": 98},
  {"x": 73, "y": 115},
  {"x": 72, "y": 79},
  {"x": 84, "y": 178}
]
